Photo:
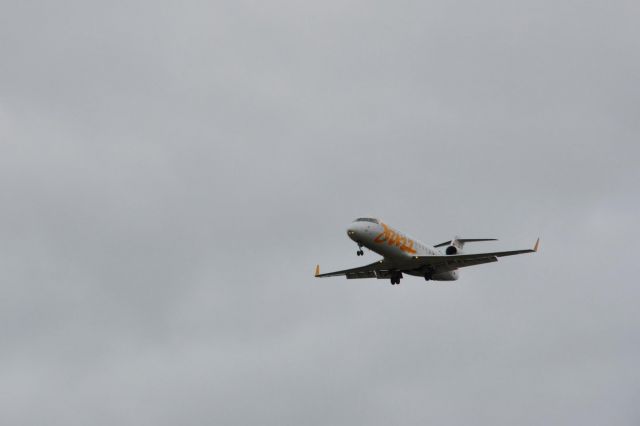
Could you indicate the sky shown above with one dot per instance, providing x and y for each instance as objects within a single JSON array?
[{"x": 171, "y": 173}]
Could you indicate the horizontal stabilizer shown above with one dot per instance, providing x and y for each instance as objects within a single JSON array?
[{"x": 464, "y": 240}]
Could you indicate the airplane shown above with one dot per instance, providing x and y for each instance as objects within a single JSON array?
[{"x": 402, "y": 254}]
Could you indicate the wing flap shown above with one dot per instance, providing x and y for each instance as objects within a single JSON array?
[{"x": 363, "y": 274}]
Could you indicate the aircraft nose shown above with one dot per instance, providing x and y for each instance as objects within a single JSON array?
[{"x": 352, "y": 231}]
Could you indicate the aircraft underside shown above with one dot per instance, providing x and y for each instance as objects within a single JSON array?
[{"x": 402, "y": 255}]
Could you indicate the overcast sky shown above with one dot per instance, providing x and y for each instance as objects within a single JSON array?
[{"x": 170, "y": 174}]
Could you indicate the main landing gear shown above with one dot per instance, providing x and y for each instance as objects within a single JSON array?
[
  {"x": 360, "y": 252},
  {"x": 395, "y": 278},
  {"x": 428, "y": 275}
]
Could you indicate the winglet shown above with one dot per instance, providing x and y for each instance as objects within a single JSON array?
[
  {"x": 317, "y": 270},
  {"x": 535, "y": 248}
]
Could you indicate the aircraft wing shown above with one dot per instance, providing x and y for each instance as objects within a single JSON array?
[
  {"x": 384, "y": 268},
  {"x": 456, "y": 261},
  {"x": 372, "y": 270}
]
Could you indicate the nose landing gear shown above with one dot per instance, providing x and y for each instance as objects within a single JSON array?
[{"x": 360, "y": 252}]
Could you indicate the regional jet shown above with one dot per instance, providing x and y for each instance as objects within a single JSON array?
[{"x": 402, "y": 254}]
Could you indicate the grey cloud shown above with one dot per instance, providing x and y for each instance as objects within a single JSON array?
[{"x": 171, "y": 174}]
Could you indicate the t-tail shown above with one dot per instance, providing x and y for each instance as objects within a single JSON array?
[{"x": 456, "y": 245}]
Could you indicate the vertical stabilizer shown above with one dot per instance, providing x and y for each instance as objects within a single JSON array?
[{"x": 457, "y": 243}]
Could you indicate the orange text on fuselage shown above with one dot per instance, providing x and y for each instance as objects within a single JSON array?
[{"x": 393, "y": 238}]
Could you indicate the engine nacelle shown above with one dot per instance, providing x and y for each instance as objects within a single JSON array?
[{"x": 451, "y": 250}]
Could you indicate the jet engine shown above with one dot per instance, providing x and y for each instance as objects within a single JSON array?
[{"x": 451, "y": 250}]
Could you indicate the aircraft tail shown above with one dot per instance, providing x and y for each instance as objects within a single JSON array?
[{"x": 458, "y": 243}]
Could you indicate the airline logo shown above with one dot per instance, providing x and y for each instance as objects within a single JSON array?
[{"x": 394, "y": 238}]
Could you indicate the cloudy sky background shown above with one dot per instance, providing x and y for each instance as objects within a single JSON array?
[{"x": 170, "y": 174}]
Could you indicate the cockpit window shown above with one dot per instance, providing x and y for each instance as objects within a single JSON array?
[{"x": 368, "y": 219}]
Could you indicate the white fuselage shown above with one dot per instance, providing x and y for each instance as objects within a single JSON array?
[{"x": 394, "y": 246}]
